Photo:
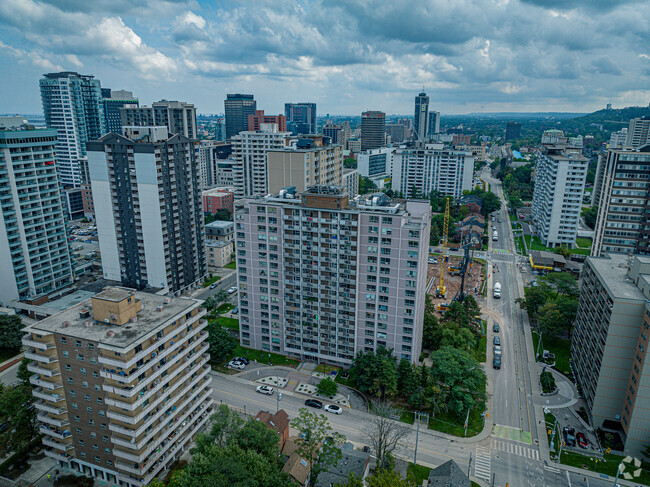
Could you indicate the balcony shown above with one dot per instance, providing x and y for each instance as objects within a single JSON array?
[
  {"x": 43, "y": 406},
  {"x": 57, "y": 444},
  {"x": 32, "y": 354},
  {"x": 63, "y": 457},
  {"x": 37, "y": 381},
  {"x": 44, "y": 418},
  {"x": 50, "y": 431},
  {"x": 28, "y": 342},
  {"x": 43, "y": 371},
  {"x": 41, "y": 394}
]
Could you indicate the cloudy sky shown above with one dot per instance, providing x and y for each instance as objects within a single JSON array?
[{"x": 345, "y": 55}]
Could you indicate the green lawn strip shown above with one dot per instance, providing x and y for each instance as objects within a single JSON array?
[
  {"x": 262, "y": 357},
  {"x": 232, "y": 323},
  {"x": 407, "y": 417},
  {"x": 224, "y": 308},
  {"x": 558, "y": 346},
  {"x": 608, "y": 465},
  {"x": 231, "y": 265},
  {"x": 327, "y": 369},
  {"x": 581, "y": 251},
  {"x": 212, "y": 280},
  {"x": 450, "y": 424},
  {"x": 480, "y": 353},
  {"x": 584, "y": 242},
  {"x": 420, "y": 473},
  {"x": 474, "y": 484}
]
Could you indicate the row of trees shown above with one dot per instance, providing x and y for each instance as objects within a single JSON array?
[{"x": 17, "y": 413}]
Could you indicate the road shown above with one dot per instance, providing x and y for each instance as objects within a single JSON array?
[{"x": 223, "y": 284}]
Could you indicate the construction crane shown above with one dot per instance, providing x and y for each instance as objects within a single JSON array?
[
  {"x": 465, "y": 264},
  {"x": 441, "y": 291}
]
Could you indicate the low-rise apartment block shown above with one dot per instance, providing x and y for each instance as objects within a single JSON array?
[
  {"x": 609, "y": 348},
  {"x": 216, "y": 199},
  {"x": 122, "y": 383},
  {"x": 322, "y": 276}
]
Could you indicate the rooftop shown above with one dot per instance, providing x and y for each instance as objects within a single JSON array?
[
  {"x": 156, "y": 311},
  {"x": 448, "y": 474},
  {"x": 612, "y": 269},
  {"x": 351, "y": 461},
  {"x": 220, "y": 224}
]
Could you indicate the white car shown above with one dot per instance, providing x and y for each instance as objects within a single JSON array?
[
  {"x": 333, "y": 408},
  {"x": 265, "y": 390},
  {"x": 232, "y": 290},
  {"x": 236, "y": 365}
]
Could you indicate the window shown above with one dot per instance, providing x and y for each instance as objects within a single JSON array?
[
  {"x": 81, "y": 442},
  {"x": 374, "y": 219},
  {"x": 72, "y": 393},
  {"x": 84, "y": 384},
  {"x": 89, "y": 410},
  {"x": 386, "y": 220},
  {"x": 70, "y": 380},
  {"x": 104, "y": 437},
  {"x": 100, "y": 400},
  {"x": 75, "y": 405},
  {"x": 64, "y": 340},
  {"x": 68, "y": 368},
  {"x": 91, "y": 422},
  {"x": 95, "y": 374},
  {"x": 93, "y": 434},
  {"x": 91, "y": 346},
  {"x": 95, "y": 447},
  {"x": 76, "y": 418},
  {"x": 65, "y": 353},
  {"x": 102, "y": 413},
  {"x": 80, "y": 357},
  {"x": 83, "y": 370},
  {"x": 83, "y": 454},
  {"x": 78, "y": 430},
  {"x": 77, "y": 343}
]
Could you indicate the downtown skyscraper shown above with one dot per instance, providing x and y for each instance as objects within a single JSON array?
[
  {"x": 237, "y": 108},
  {"x": 301, "y": 118},
  {"x": 421, "y": 117},
  {"x": 72, "y": 104}
]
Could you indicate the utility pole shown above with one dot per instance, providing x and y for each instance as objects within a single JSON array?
[
  {"x": 469, "y": 467},
  {"x": 418, "y": 417},
  {"x": 466, "y": 421},
  {"x": 277, "y": 398}
]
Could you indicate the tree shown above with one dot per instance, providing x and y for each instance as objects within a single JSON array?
[
  {"x": 327, "y": 387},
  {"x": 11, "y": 332},
  {"x": 383, "y": 432},
  {"x": 366, "y": 185},
  {"x": 225, "y": 424},
  {"x": 590, "y": 216},
  {"x": 461, "y": 375},
  {"x": 387, "y": 477},
  {"x": 564, "y": 251},
  {"x": 491, "y": 203},
  {"x": 221, "y": 342},
  {"x": 23, "y": 374},
  {"x": 257, "y": 436},
  {"x": 20, "y": 418},
  {"x": 534, "y": 298},
  {"x": 431, "y": 326},
  {"x": 452, "y": 335},
  {"x": 319, "y": 443},
  {"x": 223, "y": 215},
  {"x": 350, "y": 163},
  {"x": 550, "y": 319},
  {"x": 563, "y": 283},
  {"x": 646, "y": 451},
  {"x": 353, "y": 481},
  {"x": 407, "y": 380},
  {"x": 375, "y": 372}
]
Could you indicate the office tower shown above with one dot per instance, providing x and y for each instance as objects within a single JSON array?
[
  {"x": 122, "y": 383},
  {"x": 434, "y": 123},
  {"x": 73, "y": 203},
  {"x": 249, "y": 155},
  {"x": 220, "y": 130},
  {"x": 334, "y": 132},
  {"x": 609, "y": 347},
  {"x": 354, "y": 145},
  {"x": 72, "y": 104},
  {"x": 623, "y": 191},
  {"x": 35, "y": 257},
  {"x": 301, "y": 118},
  {"x": 407, "y": 122},
  {"x": 638, "y": 134},
  {"x": 237, "y": 108},
  {"x": 148, "y": 209},
  {"x": 351, "y": 182},
  {"x": 225, "y": 172},
  {"x": 513, "y": 130},
  {"x": 421, "y": 117},
  {"x": 347, "y": 133},
  {"x": 257, "y": 119},
  {"x": 396, "y": 131},
  {"x": 618, "y": 139},
  {"x": 323, "y": 277},
  {"x": 211, "y": 152},
  {"x": 179, "y": 117},
  {"x": 417, "y": 172},
  {"x": 373, "y": 130},
  {"x": 560, "y": 175},
  {"x": 304, "y": 164},
  {"x": 113, "y": 100},
  {"x": 376, "y": 164}
]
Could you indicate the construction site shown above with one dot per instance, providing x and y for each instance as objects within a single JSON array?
[{"x": 451, "y": 278}]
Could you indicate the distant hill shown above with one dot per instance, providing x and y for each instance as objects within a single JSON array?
[
  {"x": 520, "y": 115},
  {"x": 611, "y": 120}
]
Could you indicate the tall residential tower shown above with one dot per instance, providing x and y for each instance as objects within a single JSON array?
[
  {"x": 179, "y": 117},
  {"x": 421, "y": 117}
]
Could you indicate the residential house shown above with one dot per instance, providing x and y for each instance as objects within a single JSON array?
[{"x": 278, "y": 422}]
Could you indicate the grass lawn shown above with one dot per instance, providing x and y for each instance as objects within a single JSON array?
[
  {"x": 212, "y": 280},
  {"x": 448, "y": 423},
  {"x": 231, "y": 323},
  {"x": 589, "y": 190},
  {"x": 584, "y": 242},
  {"x": 550, "y": 422},
  {"x": 474, "y": 484},
  {"x": 419, "y": 472},
  {"x": 261, "y": 356},
  {"x": 407, "y": 417},
  {"x": 519, "y": 241},
  {"x": 534, "y": 243},
  {"x": 581, "y": 251},
  {"x": 224, "y": 308},
  {"x": 608, "y": 465},
  {"x": 327, "y": 369},
  {"x": 480, "y": 353},
  {"x": 559, "y": 346},
  {"x": 6, "y": 354},
  {"x": 513, "y": 216},
  {"x": 232, "y": 265}
]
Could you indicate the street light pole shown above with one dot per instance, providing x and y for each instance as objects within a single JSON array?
[
  {"x": 277, "y": 397},
  {"x": 620, "y": 468}
]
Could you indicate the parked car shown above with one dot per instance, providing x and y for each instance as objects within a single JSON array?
[
  {"x": 432, "y": 261},
  {"x": 497, "y": 350},
  {"x": 497, "y": 341},
  {"x": 232, "y": 290},
  {"x": 235, "y": 310},
  {"x": 265, "y": 390},
  {"x": 213, "y": 285},
  {"x": 313, "y": 403},
  {"x": 495, "y": 327},
  {"x": 569, "y": 436},
  {"x": 582, "y": 440},
  {"x": 243, "y": 360},
  {"x": 333, "y": 408},
  {"x": 496, "y": 363},
  {"x": 233, "y": 364}
]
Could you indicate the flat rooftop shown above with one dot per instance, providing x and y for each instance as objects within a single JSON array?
[
  {"x": 150, "y": 318},
  {"x": 612, "y": 268},
  {"x": 220, "y": 224}
]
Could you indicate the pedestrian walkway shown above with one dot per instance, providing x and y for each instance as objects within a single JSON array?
[
  {"x": 510, "y": 433},
  {"x": 483, "y": 463},
  {"x": 515, "y": 449}
]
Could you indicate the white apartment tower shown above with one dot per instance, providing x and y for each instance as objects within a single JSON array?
[
  {"x": 560, "y": 179},
  {"x": 148, "y": 208},
  {"x": 179, "y": 117},
  {"x": 322, "y": 277},
  {"x": 34, "y": 253},
  {"x": 638, "y": 134}
]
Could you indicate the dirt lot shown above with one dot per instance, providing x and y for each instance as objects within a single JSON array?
[{"x": 474, "y": 278}]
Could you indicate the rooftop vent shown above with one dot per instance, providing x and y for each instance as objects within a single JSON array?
[
  {"x": 65, "y": 324},
  {"x": 84, "y": 313},
  {"x": 110, "y": 333},
  {"x": 159, "y": 308}
]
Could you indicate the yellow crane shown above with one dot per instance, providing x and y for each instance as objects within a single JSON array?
[{"x": 442, "y": 290}]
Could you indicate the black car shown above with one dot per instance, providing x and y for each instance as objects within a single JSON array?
[
  {"x": 497, "y": 341},
  {"x": 497, "y": 362},
  {"x": 243, "y": 360},
  {"x": 314, "y": 403},
  {"x": 495, "y": 327}
]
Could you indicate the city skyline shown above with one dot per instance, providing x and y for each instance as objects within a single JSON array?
[{"x": 347, "y": 59}]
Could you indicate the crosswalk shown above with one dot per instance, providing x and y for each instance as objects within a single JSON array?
[
  {"x": 516, "y": 449},
  {"x": 550, "y": 468},
  {"x": 483, "y": 463}
]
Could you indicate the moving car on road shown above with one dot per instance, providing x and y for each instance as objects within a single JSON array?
[
  {"x": 268, "y": 390},
  {"x": 213, "y": 285},
  {"x": 232, "y": 290},
  {"x": 333, "y": 408},
  {"x": 313, "y": 403}
]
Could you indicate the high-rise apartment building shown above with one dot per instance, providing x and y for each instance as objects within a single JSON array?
[
  {"x": 258, "y": 119},
  {"x": 334, "y": 132},
  {"x": 513, "y": 130},
  {"x": 72, "y": 104},
  {"x": 376, "y": 164},
  {"x": 638, "y": 134},
  {"x": 301, "y": 118},
  {"x": 122, "y": 383},
  {"x": 322, "y": 277},
  {"x": 560, "y": 175},
  {"x": 609, "y": 347},
  {"x": 148, "y": 208},
  {"x": 113, "y": 100},
  {"x": 552, "y": 136},
  {"x": 237, "y": 108},
  {"x": 179, "y": 117},
  {"x": 421, "y": 117},
  {"x": 434, "y": 123},
  {"x": 351, "y": 182},
  {"x": 373, "y": 130},
  {"x": 211, "y": 153},
  {"x": 622, "y": 187},
  {"x": 417, "y": 172},
  {"x": 307, "y": 163},
  {"x": 34, "y": 253},
  {"x": 618, "y": 139},
  {"x": 250, "y": 174}
]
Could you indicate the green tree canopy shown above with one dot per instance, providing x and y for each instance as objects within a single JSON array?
[
  {"x": 221, "y": 342},
  {"x": 11, "y": 332},
  {"x": 375, "y": 372},
  {"x": 327, "y": 387}
]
